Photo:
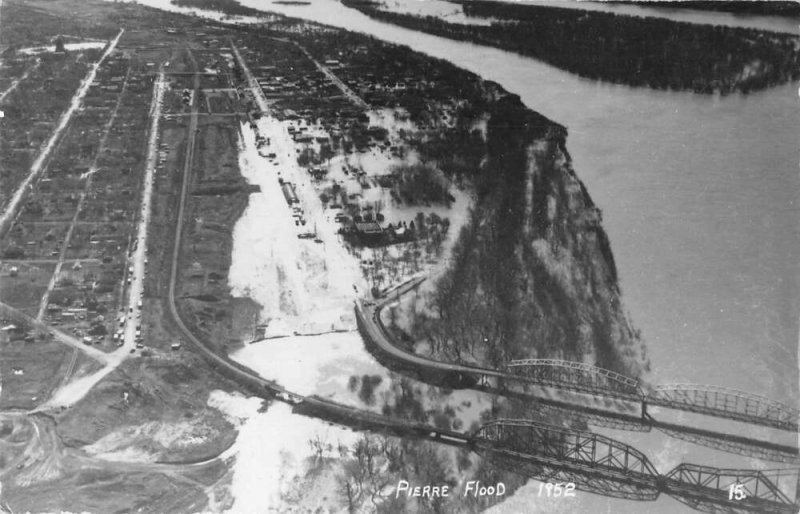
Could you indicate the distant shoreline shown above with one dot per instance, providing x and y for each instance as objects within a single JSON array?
[{"x": 608, "y": 47}]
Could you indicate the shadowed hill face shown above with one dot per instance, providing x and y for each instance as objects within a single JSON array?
[{"x": 533, "y": 274}]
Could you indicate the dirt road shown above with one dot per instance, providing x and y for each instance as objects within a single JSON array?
[
  {"x": 39, "y": 164},
  {"x": 77, "y": 389}
]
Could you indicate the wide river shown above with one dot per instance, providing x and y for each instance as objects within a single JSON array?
[
  {"x": 701, "y": 199},
  {"x": 700, "y": 196}
]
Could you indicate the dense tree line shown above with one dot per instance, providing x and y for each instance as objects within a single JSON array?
[
  {"x": 231, "y": 7},
  {"x": 773, "y": 8},
  {"x": 531, "y": 275},
  {"x": 650, "y": 52}
]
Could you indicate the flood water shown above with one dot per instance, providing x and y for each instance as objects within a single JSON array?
[
  {"x": 700, "y": 196},
  {"x": 701, "y": 200}
]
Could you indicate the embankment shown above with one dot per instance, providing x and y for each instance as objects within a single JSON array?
[{"x": 532, "y": 275}]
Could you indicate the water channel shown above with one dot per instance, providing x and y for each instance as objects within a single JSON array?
[
  {"x": 700, "y": 196},
  {"x": 701, "y": 199}
]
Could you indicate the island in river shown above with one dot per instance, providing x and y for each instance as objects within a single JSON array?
[
  {"x": 378, "y": 163},
  {"x": 642, "y": 52}
]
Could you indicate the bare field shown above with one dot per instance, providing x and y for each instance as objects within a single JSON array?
[
  {"x": 31, "y": 371},
  {"x": 23, "y": 289},
  {"x": 150, "y": 410},
  {"x": 99, "y": 455}
]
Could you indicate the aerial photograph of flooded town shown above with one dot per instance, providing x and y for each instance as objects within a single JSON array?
[{"x": 389, "y": 256}]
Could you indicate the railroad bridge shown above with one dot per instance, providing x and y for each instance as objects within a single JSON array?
[
  {"x": 601, "y": 465},
  {"x": 703, "y": 399},
  {"x": 595, "y": 463}
]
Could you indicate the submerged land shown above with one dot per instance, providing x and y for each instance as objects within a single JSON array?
[{"x": 189, "y": 210}]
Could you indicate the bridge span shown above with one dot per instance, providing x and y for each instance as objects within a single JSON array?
[
  {"x": 601, "y": 465},
  {"x": 576, "y": 376},
  {"x": 726, "y": 403},
  {"x": 593, "y": 381},
  {"x": 579, "y": 377},
  {"x": 593, "y": 462}
]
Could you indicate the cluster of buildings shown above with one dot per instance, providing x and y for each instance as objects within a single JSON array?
[{"x": 77, "y": 221}]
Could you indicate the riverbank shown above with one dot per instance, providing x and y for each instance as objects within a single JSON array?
[
  {"x": 545, "y": 156},
  {"x": 488, "y": 130},
  {"x": 609, "y": 47}
]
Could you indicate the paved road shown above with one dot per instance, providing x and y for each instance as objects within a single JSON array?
[
  {"x": 369, "y": 313},
  {"x": 315, "y": 406}
]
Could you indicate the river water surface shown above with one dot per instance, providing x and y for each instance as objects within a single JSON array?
[
  {"x": 701, "y": 199},
  {"x": 700, "y": 196}
]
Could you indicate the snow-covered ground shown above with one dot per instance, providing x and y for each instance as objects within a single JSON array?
[{"x": 272, "y": 452}]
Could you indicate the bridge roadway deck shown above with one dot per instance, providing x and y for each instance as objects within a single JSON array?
[
  {"x": 368, "y": 315},
  {"x": 269, "y": 389}
]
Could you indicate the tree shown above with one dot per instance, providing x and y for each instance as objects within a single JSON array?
[
  {"x": 351, "y": 491},
  {"x": 320, "y": 445}
]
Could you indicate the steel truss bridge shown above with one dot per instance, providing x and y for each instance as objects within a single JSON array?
[
  {"x": 726, "y": 403},
  {"x": 576, "y": 376},
  {"x": 703, "y": 399},
  {"x": 601, "y": 465},
  {"x": 598, "y": 464},
  {"x": 585, "y": 378}
]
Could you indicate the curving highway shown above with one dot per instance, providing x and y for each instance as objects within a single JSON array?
[{"x": 368, "y": 316}]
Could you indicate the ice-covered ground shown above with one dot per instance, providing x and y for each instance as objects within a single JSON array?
[
  {"x": 323, "y": 365},
  {"x": 272, "y": 451},
  {"x": 314, "y": 365},
  {"x": 303, "y": 286}
]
